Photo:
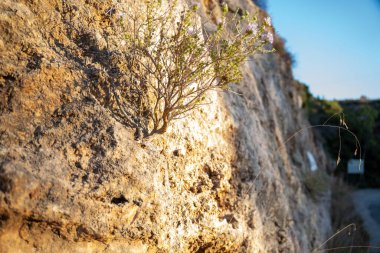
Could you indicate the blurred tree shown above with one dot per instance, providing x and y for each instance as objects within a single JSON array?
[{"x": 362, "y": 117}]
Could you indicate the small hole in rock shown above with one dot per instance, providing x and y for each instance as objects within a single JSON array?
[
  {"x": 119, "y": 201},
  {"x": 138, "y": 202}
]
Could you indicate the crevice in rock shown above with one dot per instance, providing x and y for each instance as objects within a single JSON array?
[{"x": 119, "y": 200}]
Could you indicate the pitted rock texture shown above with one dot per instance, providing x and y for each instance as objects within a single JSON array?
[{"x": 74, "y": 179}]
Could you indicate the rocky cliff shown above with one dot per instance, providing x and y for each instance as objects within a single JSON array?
[{"x": 74, "y": 179}]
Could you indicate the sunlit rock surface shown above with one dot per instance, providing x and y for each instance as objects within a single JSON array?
[{"x": 73, "y": 179}]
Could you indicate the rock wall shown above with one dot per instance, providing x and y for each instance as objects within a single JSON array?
[{"x": 73, "y": 178}]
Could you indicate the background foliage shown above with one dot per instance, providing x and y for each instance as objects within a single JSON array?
[{"x": 363, "y": 118}]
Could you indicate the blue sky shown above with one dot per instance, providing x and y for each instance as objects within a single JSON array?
[{"x": 336, "y": 44}]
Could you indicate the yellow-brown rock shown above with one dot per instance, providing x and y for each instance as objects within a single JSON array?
[{"x": 73, "y": 179}]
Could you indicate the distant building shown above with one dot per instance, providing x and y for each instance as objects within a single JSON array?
[{"x": 355, "y": 166}]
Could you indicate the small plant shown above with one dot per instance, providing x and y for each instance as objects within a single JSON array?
[
  {"x": 174, "y": 59},
  {"x": 316, "y": 183}
]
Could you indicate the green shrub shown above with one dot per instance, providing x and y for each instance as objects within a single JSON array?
[{"x": 174, "y": 59}]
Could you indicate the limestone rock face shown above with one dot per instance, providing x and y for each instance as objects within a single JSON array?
[{"x": 73, "y": 178}]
